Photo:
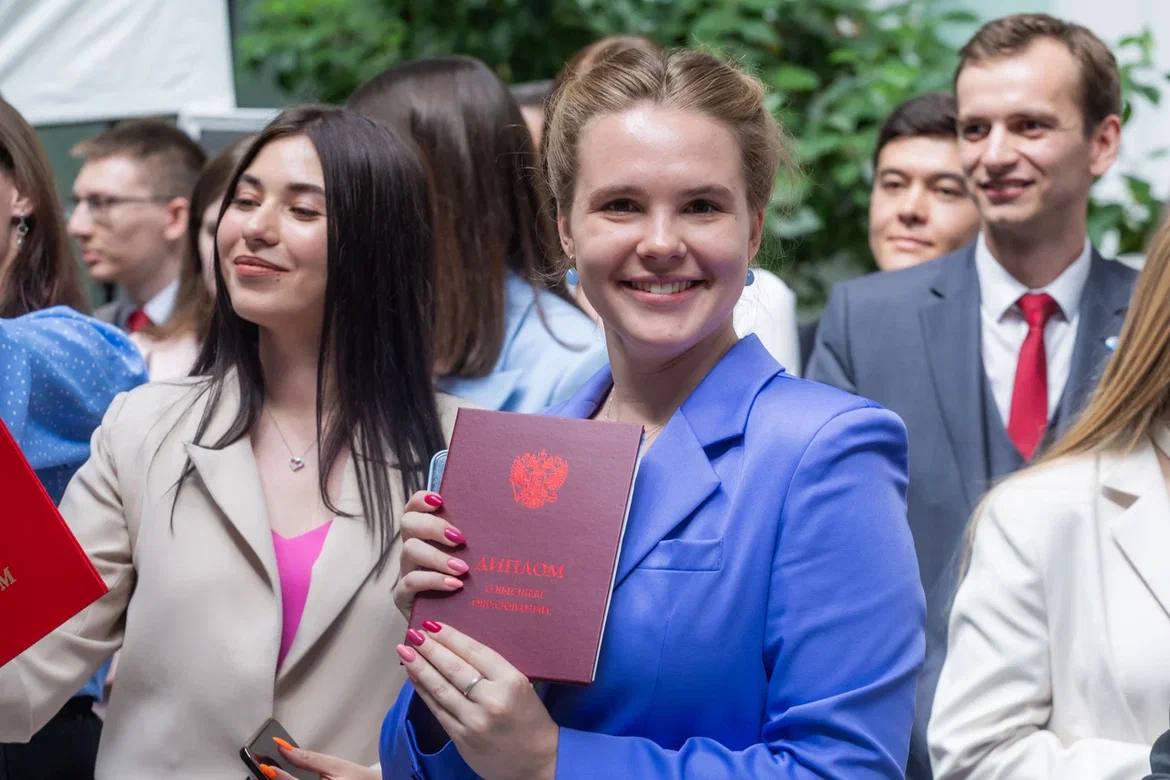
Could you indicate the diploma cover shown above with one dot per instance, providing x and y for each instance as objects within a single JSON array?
[
  {"x": 45, "y": 576},
  {"x": 543, "y": 503}
]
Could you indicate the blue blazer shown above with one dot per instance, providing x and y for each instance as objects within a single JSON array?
[
  {"x": 767, "y": 617},
  {"x": 534, "y": 369}
]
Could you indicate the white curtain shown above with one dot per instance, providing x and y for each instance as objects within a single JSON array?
[{"x": 64, "y": 61}]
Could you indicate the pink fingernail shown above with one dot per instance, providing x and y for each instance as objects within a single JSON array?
[
  {"x": 433, "y": 499},
  {"x": 431, "y": 626},
  {"x": 416, "y": 638},
  {"x": 454, "y": 536},
  {"x": 406, "y": 654},
  {"x": 453, "y": 583},
  {"x": 458, "y": 565}
]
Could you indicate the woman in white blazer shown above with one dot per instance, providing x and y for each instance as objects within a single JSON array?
[
  {"x": 1057, "y": 664},
  {"x": 314, "y": 419}
]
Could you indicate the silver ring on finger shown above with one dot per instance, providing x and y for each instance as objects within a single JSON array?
[{"x": 476, "y": 681}]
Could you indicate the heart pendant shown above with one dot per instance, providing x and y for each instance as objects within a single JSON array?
[{"x": 296, "y": 464}]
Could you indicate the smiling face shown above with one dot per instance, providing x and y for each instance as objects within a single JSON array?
[
  {"x": 661, "y": 230},
  {"x": 1023, "y": 143},
  {"x": 919, "y": 208},
  {"x": 273, "y": 238}
]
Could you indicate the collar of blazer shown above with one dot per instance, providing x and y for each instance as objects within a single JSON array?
[
  {"x": 232, "y": 482},
  {"x": 675, "y": 475},
  {"x": 1134, "y": 484}
]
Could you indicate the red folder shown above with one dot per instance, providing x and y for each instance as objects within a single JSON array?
[
  {"x": 543, "y": 504},
  {"x": 45, "y": 576}
]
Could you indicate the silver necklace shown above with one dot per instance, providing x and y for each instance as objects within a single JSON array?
[
  {"x": 295, "y": 462},
  {"x": 610, "y": 414}
]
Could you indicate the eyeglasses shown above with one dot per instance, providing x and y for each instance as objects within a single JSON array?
[{"x": 99, "y": 206}]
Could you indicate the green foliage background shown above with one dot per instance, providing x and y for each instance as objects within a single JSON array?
[{"x": 835, "y": 69}]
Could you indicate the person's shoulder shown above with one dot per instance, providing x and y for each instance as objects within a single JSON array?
[
  {"x": 910, "y": 284},
  {"x": 804, "y": 407},
  {"x": 147, "y": 404},
  {"x": 67, "y": 326},
  {"x": 1046, "y": 498}
]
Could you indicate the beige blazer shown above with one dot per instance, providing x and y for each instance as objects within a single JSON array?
[
  {"x": 195, "y": 606},
  {"x": 1059, "y": 650}
]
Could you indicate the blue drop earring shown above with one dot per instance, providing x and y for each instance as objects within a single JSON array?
[
  {"x": 571, "y": 277},
  {"x": 750, "y": 279}
]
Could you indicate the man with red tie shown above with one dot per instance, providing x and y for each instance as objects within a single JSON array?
[
  {"x": 131, "y": 200},
  {"x": 991, "y": 351}
]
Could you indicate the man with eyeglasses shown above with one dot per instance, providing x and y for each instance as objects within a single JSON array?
[{"x": 130, "y": 205}]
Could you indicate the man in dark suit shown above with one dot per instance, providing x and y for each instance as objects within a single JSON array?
[{"x": 989, "y": 351}]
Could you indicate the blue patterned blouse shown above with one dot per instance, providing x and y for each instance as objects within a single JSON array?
[{"x": 59, "y": 371}]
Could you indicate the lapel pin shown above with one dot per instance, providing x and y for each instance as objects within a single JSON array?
[{"x": 1111, "y": 343}]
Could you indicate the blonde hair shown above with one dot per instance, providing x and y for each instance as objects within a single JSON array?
[
  {"x": 1134, "y": 393},
  {"x": 681, "y": 79}
]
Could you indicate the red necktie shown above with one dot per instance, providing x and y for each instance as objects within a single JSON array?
[
  {"x": 1029, "y": 413},
  {"x": 137, "y": 321}
]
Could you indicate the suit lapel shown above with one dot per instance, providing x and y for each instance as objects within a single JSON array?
[
  {"x": 232, "y": 480},
  {"x": 1103, "y": 306},
  {"x": 675, "y": 476},
  {"x": 346, "y": 561},
  {"x": 950, "y": 333},
  {"x": 1142, "y": 528}
]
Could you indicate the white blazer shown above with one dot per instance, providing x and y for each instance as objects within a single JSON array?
[
  {"x": 195, "y": 605},
  {"x": 1058, "y": 663}
]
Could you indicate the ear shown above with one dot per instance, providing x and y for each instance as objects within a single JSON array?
[
  {"x": 757, "y": 233},
  {"x": 1105, "y": 143},
  {"x": 564, "y": 233},
  {"x": 176, "y": 225},
  {"x": 22, "y": 205}
]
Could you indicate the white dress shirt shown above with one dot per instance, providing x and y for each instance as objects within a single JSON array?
[
  {"x": 162, "y": 305},
  {"x": 1003, "y": 328}
]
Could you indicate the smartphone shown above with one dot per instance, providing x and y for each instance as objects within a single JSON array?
[
  {"x": 435, "y": 473},
  {"x": 260, "y": 749}
]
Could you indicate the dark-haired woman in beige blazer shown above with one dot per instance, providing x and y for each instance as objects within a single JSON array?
[{"x": 313, "y": 414}]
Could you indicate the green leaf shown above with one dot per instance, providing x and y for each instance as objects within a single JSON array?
[{"x": 793, "y": 78}]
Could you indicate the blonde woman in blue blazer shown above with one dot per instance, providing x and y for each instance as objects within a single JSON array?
[{"x": 767, "y": 618}]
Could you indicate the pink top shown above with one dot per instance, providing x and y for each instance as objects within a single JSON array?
[{"x": 294, "y": 562}]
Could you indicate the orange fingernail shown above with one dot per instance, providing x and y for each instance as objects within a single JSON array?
[
  {"x": 283, "y": 743},
  {"x": 268, "y": 771}
]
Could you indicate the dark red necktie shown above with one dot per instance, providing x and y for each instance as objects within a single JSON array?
[
  {"x": 137, "y": 321},
  {"x": 1029, "y": 413}
]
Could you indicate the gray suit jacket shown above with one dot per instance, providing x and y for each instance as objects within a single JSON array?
[
  {"x": 910, "y": 340},
  {"x": 116, "y": 312}
]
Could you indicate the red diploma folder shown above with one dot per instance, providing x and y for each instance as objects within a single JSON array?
[
  {"x": 543, "y": 504},
  {"x": 45, "y": 576}
]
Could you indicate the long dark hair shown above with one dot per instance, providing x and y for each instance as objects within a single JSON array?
[
  {"x": 375, "y": 351},
  {"x": 43, "y": 272},
  {"x": 487, "y": 213}
]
